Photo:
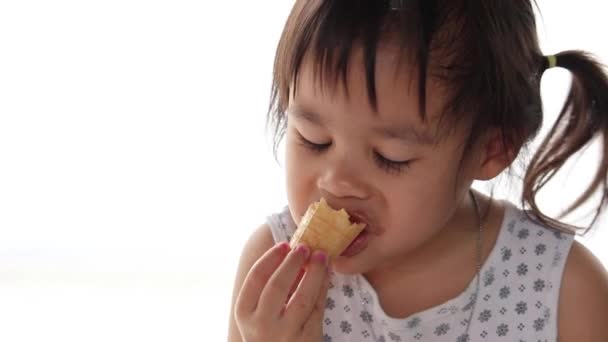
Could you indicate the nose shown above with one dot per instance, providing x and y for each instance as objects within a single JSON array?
[{"x": 341, "y": 180}]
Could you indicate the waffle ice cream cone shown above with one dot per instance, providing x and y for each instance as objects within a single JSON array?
[{"x": 325, "y": 228}]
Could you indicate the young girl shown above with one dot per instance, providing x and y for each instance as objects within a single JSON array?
[{"x": 391, "y": 109}]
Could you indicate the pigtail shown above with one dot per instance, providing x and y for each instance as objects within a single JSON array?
[{"x": 583, "y": 118}]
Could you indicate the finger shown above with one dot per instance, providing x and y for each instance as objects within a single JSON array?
[
  {"x": 295, "y": 284},
  {"x": 314, "y": 321},
  {"x": 274, "y": 295},
  {"x": 258, "y": 276},
  {"x": 304, "y": 299}
]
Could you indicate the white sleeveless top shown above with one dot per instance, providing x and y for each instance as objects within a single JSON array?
[{"x": 517, "y": 300}]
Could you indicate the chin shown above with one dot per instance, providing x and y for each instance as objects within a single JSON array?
[{"x": 349, "y": 266}]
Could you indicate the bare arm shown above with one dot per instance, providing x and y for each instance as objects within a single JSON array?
[
  {"x": 583, "y": 308},
  {"x": 259, "y": 242}
]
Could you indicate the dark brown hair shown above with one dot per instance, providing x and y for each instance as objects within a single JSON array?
[{"x": 485, "y": 52}]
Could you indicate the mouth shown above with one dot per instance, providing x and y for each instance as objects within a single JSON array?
[
  {"x": 358, "y": 217},
  {"x": 361, "y": 240},
  {"x": 357, "y": 245},
  {"x": 354, "y": 220}
]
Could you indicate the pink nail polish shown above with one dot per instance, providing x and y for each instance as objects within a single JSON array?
[
  {"x": 283, "y": 247},
  {"x": 303, "y": 249},
  {"x": 320, "y": 257}
]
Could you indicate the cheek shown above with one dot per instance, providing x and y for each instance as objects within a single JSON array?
[
  {"x": 409, "y": 199},
  {"x": 298, "y": 166},
  {"x": 411, "y": 221},
  {"x": 300, "y": 177}
]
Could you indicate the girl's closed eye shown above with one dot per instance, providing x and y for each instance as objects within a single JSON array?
[
  {"x": 316, "y": 147},
  {"x": 391, "y": 166},
  {"x": 384, "y": 163}
]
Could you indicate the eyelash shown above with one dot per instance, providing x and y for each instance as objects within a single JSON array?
[{"x": 387, "y": 165}]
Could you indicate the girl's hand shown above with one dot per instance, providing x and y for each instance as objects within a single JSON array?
[{"x": 265, "y": 310}]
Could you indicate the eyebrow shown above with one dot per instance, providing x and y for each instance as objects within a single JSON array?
[{"x": 404, "y": 132}]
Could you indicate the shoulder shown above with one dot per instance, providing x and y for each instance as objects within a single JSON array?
[
  {"x": 583, "y": 299},
  {"x": 258, "y": 243}
]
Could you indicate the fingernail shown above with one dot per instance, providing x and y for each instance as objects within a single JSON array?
[
  {"x": 320, "y": 257},
  {"x": 303, "y": 250},
  {"x": 283, "y": 246}
]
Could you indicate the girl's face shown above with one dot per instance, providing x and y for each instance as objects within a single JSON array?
[{"x": 388, "y": 166}]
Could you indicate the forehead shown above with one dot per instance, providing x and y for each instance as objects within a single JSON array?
[{"x": 396, "y": 86}]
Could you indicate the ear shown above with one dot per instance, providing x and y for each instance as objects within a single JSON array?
[{"x": 494, "y": 156}]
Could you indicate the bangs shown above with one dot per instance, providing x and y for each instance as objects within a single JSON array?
[
  {"x": 459, "y": 44},
  {"x": 327, "y": 32}
]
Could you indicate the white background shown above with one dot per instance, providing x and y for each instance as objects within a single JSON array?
[{"x": 134, "y": 163}]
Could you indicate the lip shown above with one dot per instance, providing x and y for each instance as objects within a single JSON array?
[
  {"x": 359, "y": 217},
  {"x": 357, "y": 245},
  {"x": 356, "y": 217}
]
